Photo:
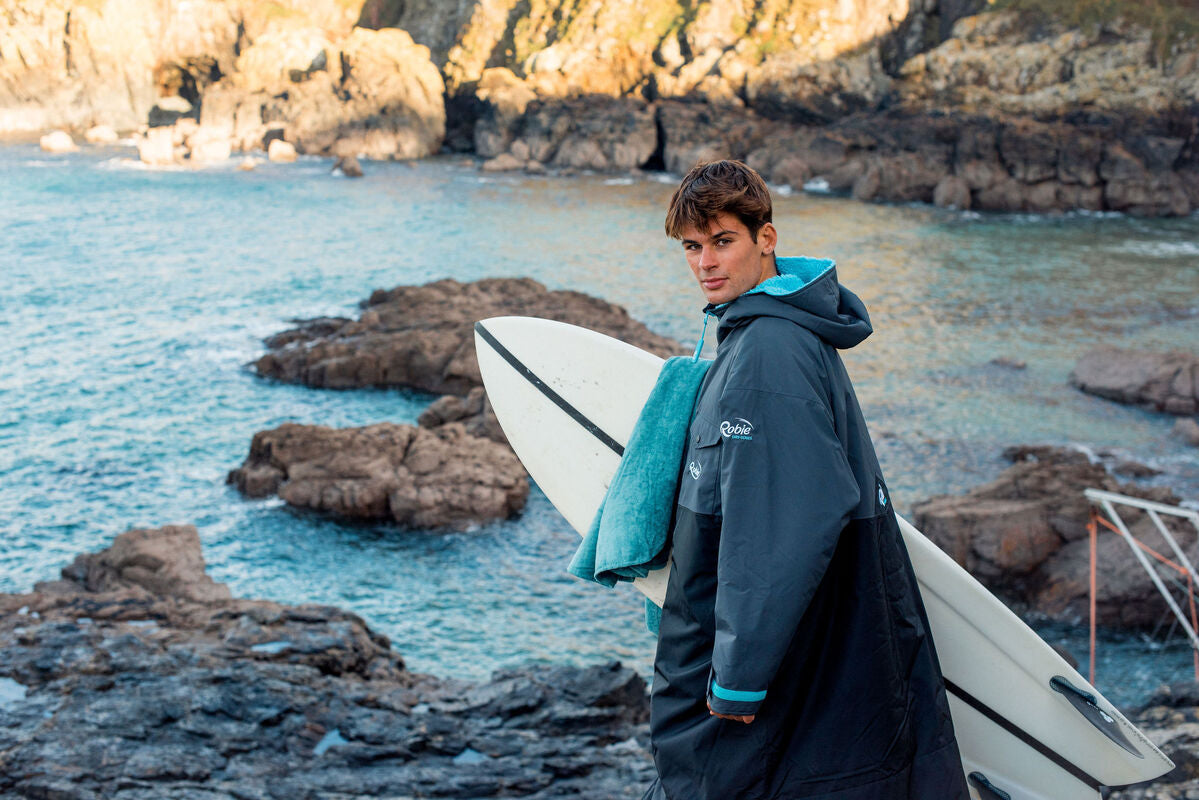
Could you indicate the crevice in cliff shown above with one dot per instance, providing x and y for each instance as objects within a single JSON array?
[
  {"x": 66, "y": 46},
  {"x": 657, "y": 160}
]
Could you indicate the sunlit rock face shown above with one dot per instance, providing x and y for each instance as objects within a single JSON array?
[
  {"x": 676, "y": 48},
  {"x": 247, "y": 71}
]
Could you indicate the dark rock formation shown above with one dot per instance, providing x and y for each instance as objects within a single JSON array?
[
  {"x": 595, "y": 133},
  {"x": 1166, "y": 382},
  {"x": 349, "y": 166},
  {"x": 1024, "y": 536},
  {"x": 416, "y": 477},
  {"x": 135, "y": 693},
  {"x": 422, "y": 337}
]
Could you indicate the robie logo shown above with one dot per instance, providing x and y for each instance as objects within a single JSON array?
[
  {"x": 696, "y": 469},
  {"x": 737, "y": 429}
]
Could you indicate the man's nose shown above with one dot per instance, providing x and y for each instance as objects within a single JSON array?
[{"x": 707, "y": 258}]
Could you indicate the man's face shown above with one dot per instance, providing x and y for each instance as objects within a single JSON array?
[{"x": 726, "y": 260}]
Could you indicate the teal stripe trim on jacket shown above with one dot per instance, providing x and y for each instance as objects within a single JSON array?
[{"x": 735, "y": 696}]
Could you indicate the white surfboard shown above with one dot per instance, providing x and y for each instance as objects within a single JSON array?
[{"x": 1028, "y": 725}]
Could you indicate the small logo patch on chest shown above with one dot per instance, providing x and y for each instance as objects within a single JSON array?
[
  {"x": 737, "y": 428},
  {"x": 696, "y": 469}
]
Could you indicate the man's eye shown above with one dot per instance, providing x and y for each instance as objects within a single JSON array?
[
  {"x": 723, "y": 242},
  {"x": 690, "y": 247}
]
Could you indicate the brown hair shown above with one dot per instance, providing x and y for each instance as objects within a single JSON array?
[{"x": 717, "y": 187}]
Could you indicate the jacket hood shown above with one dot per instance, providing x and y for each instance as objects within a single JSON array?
[{"x": 806, "y": 292}]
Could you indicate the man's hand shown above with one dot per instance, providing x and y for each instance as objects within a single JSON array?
[{"x": 748, "y": 718}]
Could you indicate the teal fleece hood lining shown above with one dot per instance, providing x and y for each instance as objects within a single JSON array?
[
  {"x": 794, "y": 273},
  {"x": 806, "y": 292}
]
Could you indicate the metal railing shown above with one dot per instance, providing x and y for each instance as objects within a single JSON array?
[{"x": 1108, "y": 502}]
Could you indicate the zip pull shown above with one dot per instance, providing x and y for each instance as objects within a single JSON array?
[{"x": 699, "y": 347}]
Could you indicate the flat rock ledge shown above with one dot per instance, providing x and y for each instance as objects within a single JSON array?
[
  {"x": 1166, "y": 382},
  {"x": 422, "y": 337},
  {"x": 1024, "y": 537},
  {"x": 416, "y": 477},
  {"x": 119, "y": 681}
]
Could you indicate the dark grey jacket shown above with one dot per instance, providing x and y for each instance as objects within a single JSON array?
[{"x": 792, "y": 596}]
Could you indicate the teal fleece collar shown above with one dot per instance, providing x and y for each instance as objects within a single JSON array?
[{"x": 794, "y": 273}]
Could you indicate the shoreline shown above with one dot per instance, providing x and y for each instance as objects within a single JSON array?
[{"x": 466, "y": 162}]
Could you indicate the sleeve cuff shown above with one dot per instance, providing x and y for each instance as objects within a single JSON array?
[{"x": 730, "y": 701}]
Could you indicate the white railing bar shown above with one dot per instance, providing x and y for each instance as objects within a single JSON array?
[
  {"x": 1147, "y": 505},
  {"x": 1157, "y": 581},
  {"x": 1161, "y": 528}
]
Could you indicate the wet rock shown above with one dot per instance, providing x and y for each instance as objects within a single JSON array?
[
  {"x": 417, "y": 477},
  {"x": 1166, "y": 382},
  {"x": 1134, "y": 469},
  {"x": 1187, "y": 430},
  {"x": 156, "y": 694},
  {"x": 101, "y": 135},
  {"x": 504, "y": 162},
  {"x": 349, "y": 166},
  {"x": 422, "y": 337},
  {"x": 281, "y": 151},
  {"x": 58, "y": 142},
  {"x": 1008, "y": 362},
  {"x": 1024, "y": 536}
]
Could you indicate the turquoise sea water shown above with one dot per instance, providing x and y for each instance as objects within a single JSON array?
[{"x": 131, "y": 301}]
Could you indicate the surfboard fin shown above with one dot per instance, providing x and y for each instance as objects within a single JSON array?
[
  {"x": 1086, "y": 704},
  {"x": 986, "y": 789}
]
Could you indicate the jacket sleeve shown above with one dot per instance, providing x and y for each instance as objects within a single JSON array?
[{"x": 787, "y": 491}]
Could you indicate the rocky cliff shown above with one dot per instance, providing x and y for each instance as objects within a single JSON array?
[
  {"x": 248, "y": 72},
  {"x": 946, "y": 101}
]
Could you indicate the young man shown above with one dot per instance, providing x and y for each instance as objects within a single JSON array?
[{"x": 794, "y": 658}]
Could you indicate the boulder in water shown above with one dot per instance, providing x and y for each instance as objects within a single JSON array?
[
  {"x": 422, "y": 337},
  {"x": 349, "y": 166},
  {"x": 101, "y": 135},
  {"x": 1187, "y": 429},
  {"x": 281, "y": 151},
  {"x": 417, "y": 477},
  {"x": 58, "y": 142},
  {"x": 1166, "y": 382}
]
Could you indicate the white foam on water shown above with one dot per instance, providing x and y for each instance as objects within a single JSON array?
[
  {"x": 137, "y": 165},
  {"x": 816, "y": 186},
  {"x": 1160, "y": 249},
  {"x": 619, "y": 182}
]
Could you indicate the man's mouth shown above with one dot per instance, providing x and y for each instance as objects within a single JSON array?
[{"x": 713, "y": 283}]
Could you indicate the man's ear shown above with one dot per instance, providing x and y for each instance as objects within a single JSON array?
[{"x": 769, "y": 238}]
